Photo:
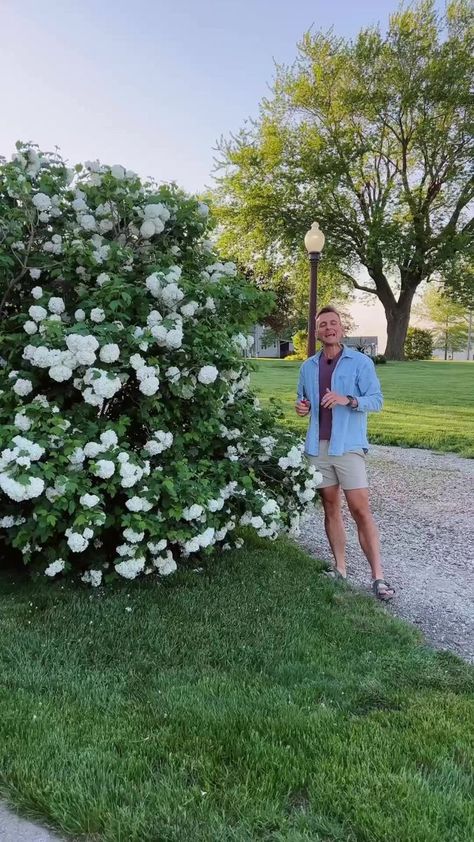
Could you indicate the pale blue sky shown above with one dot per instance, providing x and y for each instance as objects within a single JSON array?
[
  {"x": 151, "y": 85},
  {"x": 148, "y": 84}
]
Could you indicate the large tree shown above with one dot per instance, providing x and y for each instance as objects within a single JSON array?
[{"x": 374, "y": 139}]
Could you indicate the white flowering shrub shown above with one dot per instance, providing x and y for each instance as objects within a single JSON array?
[{"x": 129, "y": 439}]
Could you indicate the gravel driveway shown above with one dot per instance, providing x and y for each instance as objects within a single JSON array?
[{"x": 423, "y": 503}]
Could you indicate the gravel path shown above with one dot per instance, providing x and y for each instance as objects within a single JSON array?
[{"x": 423, "y": 503}]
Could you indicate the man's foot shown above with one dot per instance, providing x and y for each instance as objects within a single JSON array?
[
  {"x": 383, "y": 590},
  {"x": 334, "y": 573}
]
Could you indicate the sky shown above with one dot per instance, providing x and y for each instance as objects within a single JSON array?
[{"x": 154, "y": 85}]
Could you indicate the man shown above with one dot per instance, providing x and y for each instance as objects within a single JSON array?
[{"x": 337, "y": 388}]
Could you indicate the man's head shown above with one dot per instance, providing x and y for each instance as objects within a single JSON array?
[{"x": 329, "y": 328}]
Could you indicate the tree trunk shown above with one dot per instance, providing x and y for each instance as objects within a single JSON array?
[{"x": 398, "y": 319}]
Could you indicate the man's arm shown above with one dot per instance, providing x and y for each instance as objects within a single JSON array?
[
  {"x": 300, "y": 388},
  {"x": 370, "y": 398}
]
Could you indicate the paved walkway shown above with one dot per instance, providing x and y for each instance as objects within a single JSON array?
[
  {"x": 14, "y": 829},
  {"x": 423, "y": 503}
]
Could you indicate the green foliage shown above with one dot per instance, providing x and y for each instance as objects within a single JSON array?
[
  {"x": 418, "y": 344},
  {"x": 129, "y": 440},
  {"x": 373, "y": 138}
]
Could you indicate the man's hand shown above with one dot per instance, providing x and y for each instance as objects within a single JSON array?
[
  {"x": 332, "y": 399},
  {"x": 302, "y": 407}
]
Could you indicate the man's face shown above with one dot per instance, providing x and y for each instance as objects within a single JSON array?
[{"x": 329, "y": 329}]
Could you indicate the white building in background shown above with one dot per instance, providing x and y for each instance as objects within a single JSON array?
[{"x": 281, "y": 348}]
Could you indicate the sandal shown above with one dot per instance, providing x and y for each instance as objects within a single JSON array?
[{"x": 383, "y": 590}]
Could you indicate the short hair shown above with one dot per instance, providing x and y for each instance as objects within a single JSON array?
[{"x": 328, "y": 309}]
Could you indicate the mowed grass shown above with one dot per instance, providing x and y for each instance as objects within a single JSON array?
[
  {"x": 427, "y": 404},
  {"x": 256, "y": 700}
]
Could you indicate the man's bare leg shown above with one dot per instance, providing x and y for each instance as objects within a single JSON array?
[
  {"x": 334, "y": 525},
  {"x": 359, "y": 507}
]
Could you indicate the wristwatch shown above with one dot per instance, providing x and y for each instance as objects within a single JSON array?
[{"x": 353, "y": 402}]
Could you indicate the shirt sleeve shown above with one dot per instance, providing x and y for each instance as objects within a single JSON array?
[{"x": 370, "y": 398}]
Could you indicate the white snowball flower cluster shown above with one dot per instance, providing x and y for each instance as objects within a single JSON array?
[
  {"x": 22, "y": 387},
  {"x": 56, "y": 305},
  {"x": 193, "y": 512},
  {"x": 109, "y": 353},
  {"x": 131, "y": 567},
  {"x": 92, "y": 577},
  {"x": 155, "y": 217},
  {"x": 97, "y": 315},
  {"x": 42, "y": 202},
  {"x": 55, "y": 567},
  {"x": 54, "y": 245},
  {"x": 293, "y": 458},
  {"x": 207, "y": 374},
  {"x": 148, "y": 380},
  {"x": 161, "y": 441}
]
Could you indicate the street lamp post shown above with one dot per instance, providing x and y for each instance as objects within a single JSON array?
[{"x": 314, "y": 242}]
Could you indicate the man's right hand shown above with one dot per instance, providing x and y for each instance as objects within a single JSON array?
[{"x": 302, "y": 407}]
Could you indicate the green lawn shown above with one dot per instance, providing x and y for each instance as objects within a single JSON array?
[
  {"x": 257, "y": 700},
  {"x": 427, "y": 404}
]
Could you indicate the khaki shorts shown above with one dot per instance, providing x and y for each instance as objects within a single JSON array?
[{"x": 348, "y": 470}]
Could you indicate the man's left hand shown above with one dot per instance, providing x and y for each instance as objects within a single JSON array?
[{"x": 332, "y": 399}]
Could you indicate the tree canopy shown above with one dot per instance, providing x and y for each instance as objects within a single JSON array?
[{"x": 373, "y": 138}]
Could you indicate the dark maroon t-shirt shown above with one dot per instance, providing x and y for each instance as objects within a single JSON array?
[{"x": 326, "y": 368}]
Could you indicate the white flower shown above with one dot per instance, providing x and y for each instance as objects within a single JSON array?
[
  {"x": 34, "y": 275},
  {"x": 79, "y": 315},
  {"x": 138, "y": 504},
  {"x": 148, "y": 229},
  {"x": 37, "y": 312},
  {"x": 270, "y": 507},
  {"x": 210, "y": 305},
  {"x": 18, "y": 491},
  {"x": 207, "y": 537},
  {"x": 189, "y": 309},
  {"x": 118, "y": 172},
  {"x": 105, "y": 225},
  {"x": 203, "y": 210},
  {"x": 171, "y": 295},
  {"x": 257, "y": 522},
  {"x": 37, "y": 292},
  {"x": 77, "y": 456},
  {"x": 132, "y": 536},
  {"x": 109, "y": 353},
  {"x": 157, "y": 211},
  {"x": 207, "y": 374},
  {"x": 30, "y": 327},
  {"x": 173, "y": 374},
  {"x": 130, "y": 568},
  {"x": 89, "y": 500},
  {"x": 87, "y": 222},
  {"x": 55, "y": 567},
  {"x": 92, "y": 577},
  {"x": 102, "y": 279},
  {"x": 23, "y": 387},
  {"x": 215, "y": 505},
  {"x": 60, "y": 373},
  {"x": 41, "y": 201},
  {"x": 92, "y": 449},
  {"x": 22, "y": 422},
  {"x": 76, "y": 542},
  {"x": 165, "y": 564},
  {"x": 104, "y": 468},
  {"x": 136, "y": 361},
  {"x": 56, "y": 305},
  {"x": 149, "y": 386},
  {"x": 193, "y": 512},
  {"x": 109, "y": 438},
  {"x": 97, "y": 314}
]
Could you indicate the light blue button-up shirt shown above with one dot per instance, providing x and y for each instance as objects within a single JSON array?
[{"x": 354, "y": 375}]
